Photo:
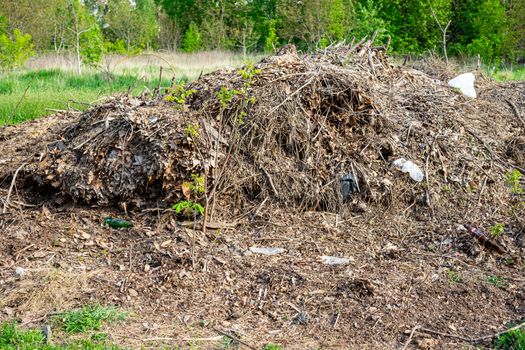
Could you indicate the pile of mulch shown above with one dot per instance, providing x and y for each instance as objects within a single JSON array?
[{"x": 297, "y": 152}]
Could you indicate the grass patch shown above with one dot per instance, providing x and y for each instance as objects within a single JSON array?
[
  {"x": 512, "y": 340},
  {"x": 272, "y": 347},
  {"x": 13, "y": 338},
  {"x": 29, "y": 95},
  {"x": 88, "y": 318},
  {"x": 509, "y": 75}
]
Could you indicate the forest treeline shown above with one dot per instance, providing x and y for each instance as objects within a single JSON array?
[{"x": 494, "y": 29}]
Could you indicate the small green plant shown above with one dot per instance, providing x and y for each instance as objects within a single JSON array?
[
  {"x": 497, "y": 230},
  {"x": 249, "y": 72},
  {"x": 513, "y": 181},
  {"x": 227, "y": 342},
  {"x": 187, "y": 207},
  {"x": 225, "y": 96},
  {"x": 191, "y": 130},
  {"x": 14, "y": 338},
  {"x": 272, "y": 347},
  {"x": 179, "y": 94},
  {"x": 453, "y": 276},
  {"x": 88, "y": 318},
  {"x": 512, "y": 340},
  {"x": 500, "y": 282}
]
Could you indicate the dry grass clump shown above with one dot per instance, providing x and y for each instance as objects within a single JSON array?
[{"x": 43, "y": 291}]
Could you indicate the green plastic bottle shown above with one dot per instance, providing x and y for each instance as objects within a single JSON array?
[{"x": 117, "y": 223}]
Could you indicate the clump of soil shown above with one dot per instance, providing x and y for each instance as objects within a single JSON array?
[{"x": 296, "y": 152}]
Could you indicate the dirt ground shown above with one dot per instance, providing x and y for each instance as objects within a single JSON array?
[{"x": 413, "y": 276}]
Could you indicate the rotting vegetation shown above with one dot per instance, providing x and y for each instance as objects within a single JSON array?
[{"x": 273, "y": 144}]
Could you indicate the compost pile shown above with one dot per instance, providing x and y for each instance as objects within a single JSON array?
[
  {"x": 300, "y": 156},
  {"x": 306, "y": 132}
]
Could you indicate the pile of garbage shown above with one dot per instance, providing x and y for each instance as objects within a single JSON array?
[{"x": 341, "y": 128}]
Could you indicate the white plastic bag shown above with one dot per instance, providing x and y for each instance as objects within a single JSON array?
[
  {"x": 465, "y": 83},
  {"x": 266, "y": 250},
  {"x": 409, "y": 167}
]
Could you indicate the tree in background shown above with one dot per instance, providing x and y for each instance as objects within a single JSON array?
[
  {"x": 192, "y": 39},
  {"x": 490, "y": 24},
  {"x": 368, "y": 21},
  {"x": 495, "y": 29},
  {"x": 514, "y": 43},
  {"x": 15, "y": 49},
  {"x": 85, "y": 35},
  {"x": 272, "y": 40},
  {"x": 133, "y": 25}
]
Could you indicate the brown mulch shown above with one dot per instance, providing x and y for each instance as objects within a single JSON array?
[{"x": 274, "y": 158}]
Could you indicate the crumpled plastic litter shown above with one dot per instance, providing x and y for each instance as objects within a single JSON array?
[
  {"x": 409, "y": 167},
  {"x": 465, "y": 83}
]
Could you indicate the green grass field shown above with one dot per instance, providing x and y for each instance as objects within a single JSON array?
[{"x": 32, "y": 94}]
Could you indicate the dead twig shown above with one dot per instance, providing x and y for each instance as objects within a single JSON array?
[
  {"x": 234, "y": 338},
  {"x": 410, "y": 337},
  {"x": 6, "y": 204},
  {"x": 516, "y": 111},
  {"x": 471, "y": 340}
]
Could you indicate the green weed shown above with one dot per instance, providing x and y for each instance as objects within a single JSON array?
[
  {"x": 225, "y": 96},
  {"x": 497, "y": 230},
  {"x": 13, "y": 338},
  {"x": 178, "y": 94},
  {"x": 88, "y": 318},
  {"x": 191, "y": 130},
  {"x": 513, "y": 181},
  {"x": 272, "y": 347},
  {"x": 500, "y": 282},
  {"x": 187, "y": 207},
  {"x": 453, "y": 276},
  {"x": 513, "y": 340}
]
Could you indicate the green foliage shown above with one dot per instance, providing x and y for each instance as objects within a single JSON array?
[
  {"x": 368, "y": 20},
  {"x": 130, "y": 26},
  {"x": 192, "y": 39},
  {"x": 272, "y": 40},
  {"x": 513, "y": 181},
  {"x": 453, "y": 276},
  {"x": 272, "y": 347},
  {"x": 198, "y": 184},
  {"x": 336, "y": 28},
  {"x": 500, "y": 282},
  {"x": 14, "y": 338},
  {"x": 249, "y": 72},
  {"x": 187, "y": 207},
  {"x": 53, "y": 88},
  {"x": 91, "y": 46},
  {"x": 225, "y": 96},
  {"x": 512, "y": 340},
  {"x": 192, "y": 190},
  {"x": 11, "y": 338},
  {"x": 497, "y": 230},
  {"x": 88, "y": 318},
  {"x": 191, "y": 130},
  {"x": 178, "y": 94},
  {"x": 15, "y": 49}
]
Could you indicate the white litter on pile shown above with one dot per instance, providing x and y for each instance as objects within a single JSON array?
[
  {"x": 408, "y": 166},
  {"x": 465, "y": 83}
]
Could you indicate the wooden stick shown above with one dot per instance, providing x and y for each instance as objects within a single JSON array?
[
  {"x": 11, "y": 187},
  {"x": 410, "y": 337},
  {"x": 234, "y": 338},
  {"x": 471, "y": 340}
]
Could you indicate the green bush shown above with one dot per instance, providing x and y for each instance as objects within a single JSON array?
[
  {"x": 15, "y": 49},
  {"x": 192, "y": 39}
]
